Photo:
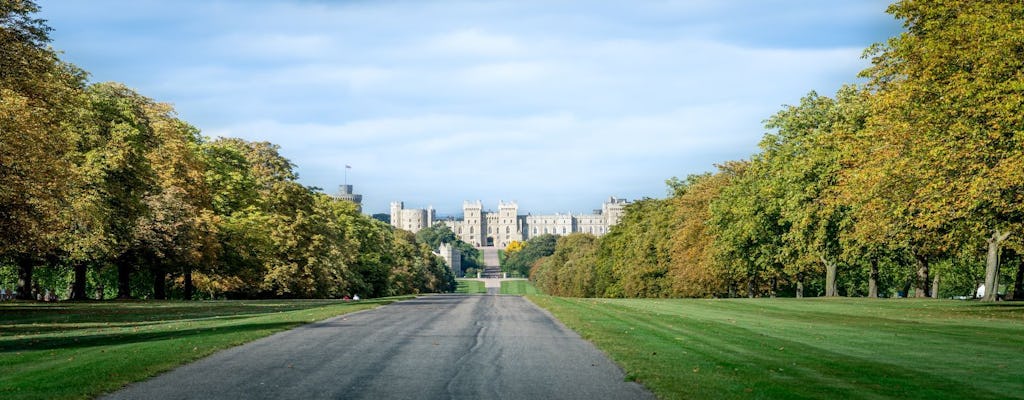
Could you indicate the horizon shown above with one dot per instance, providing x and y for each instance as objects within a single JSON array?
[{"x": 557, "y": 105}]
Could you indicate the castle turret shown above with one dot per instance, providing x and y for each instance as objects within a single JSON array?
[{"x": 396, "y": 213}]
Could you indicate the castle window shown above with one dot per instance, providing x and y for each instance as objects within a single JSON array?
[{"x": 508, "y": 230}]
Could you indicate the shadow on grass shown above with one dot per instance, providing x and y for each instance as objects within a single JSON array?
[{"x": 112, "y": 339}]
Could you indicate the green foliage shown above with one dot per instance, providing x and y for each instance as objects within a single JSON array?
[
  {"x": 440, "y": 233},
  {"x": 569, "y": 271},
  {"x": 434, "y": 235},
  {"x": 519, "y": 263}
]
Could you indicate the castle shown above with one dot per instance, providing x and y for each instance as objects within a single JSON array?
[{"x": 485, "y": 228}]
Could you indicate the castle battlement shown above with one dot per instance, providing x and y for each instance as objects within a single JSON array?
[{"x": 485, "y": 228}]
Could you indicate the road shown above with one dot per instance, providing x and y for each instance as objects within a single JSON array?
[{"x": 433, "y": 347}]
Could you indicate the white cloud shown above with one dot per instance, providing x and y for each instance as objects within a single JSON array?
[{"x": 451, "y": 100}]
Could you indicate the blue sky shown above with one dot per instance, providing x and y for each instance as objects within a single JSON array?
[{"x": 554, "y": 104}]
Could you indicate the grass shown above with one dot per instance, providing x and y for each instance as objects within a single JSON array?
[
  {"x": 518, "y": 287},
  {"x": 810, "y": 348},
  {"x": 470, "y": 286},
  {"x": 81, "y": 350}
]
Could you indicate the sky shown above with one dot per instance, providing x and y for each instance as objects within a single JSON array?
[{"x": 554, "y": 104}]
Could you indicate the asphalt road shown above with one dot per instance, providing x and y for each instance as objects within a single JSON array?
[{"x": 433, "y": 347}]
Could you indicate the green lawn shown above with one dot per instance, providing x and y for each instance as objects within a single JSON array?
[
  {"x": 470, "y": 286},
  {"x": 80, "y": 350},
  {"x": 518, "y": 287},
  {"x": 810, "y": 348}
]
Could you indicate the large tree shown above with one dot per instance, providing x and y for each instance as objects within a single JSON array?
[
  {"x": 40, "y": 101},
  {"x": 949, "y": 95},
  {"x": 802, "y": 157},
  {"x": 694, "y": 272}
]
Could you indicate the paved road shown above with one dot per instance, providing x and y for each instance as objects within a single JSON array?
[
  {"x": 490, "y": 256},
  {"x": 434, "y": 347}
]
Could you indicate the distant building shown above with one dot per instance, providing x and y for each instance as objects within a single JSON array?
[
  {"x": 452, "y": 256},
  {"x": 345, "y": 193},
  {"x": 482, "y": 228},
  {"x": 411, "y": 220}
]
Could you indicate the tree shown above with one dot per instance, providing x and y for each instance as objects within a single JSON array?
[
  {"x": 748, "y": 228},
  {"x": 694, "y": 272},
  {"x": 569, "y": 271},
  {"x": 949, "y": 91},
  {"x": 637, "y": 250},
  {"x": 40, "y": 99},
  {"x": 803, "y": 169},
  {"x": 116, "y": 148},
  {"x": 536, "y": 248},
  {"x": 434, "y": 235}
]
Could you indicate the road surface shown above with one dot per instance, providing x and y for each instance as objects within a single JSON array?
[{"x": 433, "y": 347}]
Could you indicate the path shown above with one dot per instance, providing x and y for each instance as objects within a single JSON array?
[{"x": 433, "y": 347}]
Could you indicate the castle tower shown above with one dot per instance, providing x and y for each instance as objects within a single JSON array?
[
  {"x": 396, "y": 213},
  {"x": 472, "y": 215},
  {"x": 613, "y": 210},
  {"x": 508, "y": 228},
  {"x": 345, "y": 193}
]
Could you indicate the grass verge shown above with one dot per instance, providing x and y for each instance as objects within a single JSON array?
[
  {"x": 469, "y": 286},
  {"x": 518, "y": 287},
  {"x": 810, "y": 348},
  {"x": 81, "y": 350}
]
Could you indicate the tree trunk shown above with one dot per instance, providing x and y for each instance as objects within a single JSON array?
[
  {"x": 873, "y": 280},
  {"x": 78, "y": 286},
  {"x": 26, "y": 265},
  {"x": 992, "y": 265},
  {"x": 830, "y": 278},
  {"x": 124, "y": 278},
  {"x": 935, "y": 286},
  {"x": 751, "y": 286},
  {"x": 800, "y": 286},
  {"x": 1018, "y": 284},
  {"x": 922, "y": 281},
  {"x": 159, "y": 282},
  {"x": 189, "y": 288},
  {"x": 775, "y": 286}
]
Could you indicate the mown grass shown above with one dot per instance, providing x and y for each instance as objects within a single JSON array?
[
  {"x": 810, "y": 348},
  {"x": 469, "y": 286},
  {"x": 518, "y": 287},
  {"x": 80, "y": 350}
]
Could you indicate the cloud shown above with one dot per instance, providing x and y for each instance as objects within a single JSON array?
[{"x": 557, "y": 105}]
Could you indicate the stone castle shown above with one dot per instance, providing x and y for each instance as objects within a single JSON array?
[{"x": 487, "y": 228}]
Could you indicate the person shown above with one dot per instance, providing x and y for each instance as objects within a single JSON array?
[
  {"x": 356, "y": 297},
  {"x": 346, "y": 298},
  {"x": 3, "y": 294}
]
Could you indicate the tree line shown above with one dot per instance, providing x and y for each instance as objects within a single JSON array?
[
  {"x": 109, "y": 190},
  {"x": 911, "y": 183}
]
